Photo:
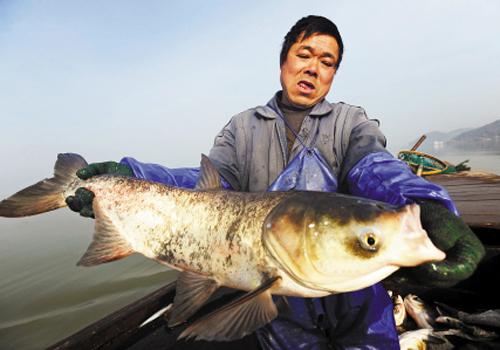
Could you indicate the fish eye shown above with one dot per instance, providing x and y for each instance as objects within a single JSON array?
[{"x": 369, "y": 241}]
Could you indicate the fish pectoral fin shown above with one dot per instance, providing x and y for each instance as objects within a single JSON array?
[
  {"x": 238, "y": 318},
  {"x": 108, "y": 244},
  {"x": 209, "y": 176},
  {"x": 192, "y": 290}
]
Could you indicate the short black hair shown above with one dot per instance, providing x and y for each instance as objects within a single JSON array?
[{"x": 308, "y": 26}]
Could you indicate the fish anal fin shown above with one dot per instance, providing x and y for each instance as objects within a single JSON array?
[
  {"x": 209, "y": 176},
  {"x": 191, "y": 291},
  {"x": 108, "y": 244},
  {"x": 238, "y": 318}
]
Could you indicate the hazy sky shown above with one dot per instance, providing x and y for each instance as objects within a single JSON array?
[{"x": 158, "y": 79}]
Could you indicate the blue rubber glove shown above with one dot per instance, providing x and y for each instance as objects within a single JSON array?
[{"x": 177, "y": 177}]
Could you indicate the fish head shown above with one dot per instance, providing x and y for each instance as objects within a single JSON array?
[
  {"x": 338, "y": 243},
  {"x": 412, "y": 246}
]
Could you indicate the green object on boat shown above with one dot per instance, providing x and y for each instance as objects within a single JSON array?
[{"x": 425, "y": 164}]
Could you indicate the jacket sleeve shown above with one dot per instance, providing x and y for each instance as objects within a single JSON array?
[
  {"x": 178, "y": 177},
  {"x": 382, "y": 177},
  {"x": 365, "y": 137},
  {"x": 370, "y": 171},
  {"x": 224, "y": 154}
]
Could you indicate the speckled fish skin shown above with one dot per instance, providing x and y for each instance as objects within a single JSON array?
[{"x": 214, "y": 233}]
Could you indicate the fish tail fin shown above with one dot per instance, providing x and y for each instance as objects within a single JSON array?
[
  {"x": 47, "y": 194},
  {"x": 108, "y": 244}
]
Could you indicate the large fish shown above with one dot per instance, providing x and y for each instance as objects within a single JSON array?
[{"x": 307, "y": 244}]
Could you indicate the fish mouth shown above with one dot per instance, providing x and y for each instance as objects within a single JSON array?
[
  {"x": 306, "y": 86},
  {"x": 414, "y": 247}
]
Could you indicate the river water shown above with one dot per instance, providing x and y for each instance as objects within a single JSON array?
[{"x": 45, "y": 297}]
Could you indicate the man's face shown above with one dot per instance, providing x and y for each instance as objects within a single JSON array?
[{"x": 307, "y": 73}]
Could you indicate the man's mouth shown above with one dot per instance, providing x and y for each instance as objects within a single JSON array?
[{"x": 305, "y": 86}]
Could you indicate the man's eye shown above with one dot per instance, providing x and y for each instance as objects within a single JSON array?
[
  {"x": 301, "y": 55},
  {"x": 328, "y": 64}
]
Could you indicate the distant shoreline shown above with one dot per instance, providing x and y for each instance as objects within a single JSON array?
[{"x": 458, "y": 152}]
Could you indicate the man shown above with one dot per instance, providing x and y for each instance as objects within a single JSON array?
[{"x": 299, "y": 141}]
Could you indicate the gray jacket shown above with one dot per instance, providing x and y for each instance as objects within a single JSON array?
[{"x": 251, "y": 151}]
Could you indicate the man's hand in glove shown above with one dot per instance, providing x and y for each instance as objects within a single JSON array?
[
  {"x": 451, "y": 234},
  {"x": 82, "y": 200}
]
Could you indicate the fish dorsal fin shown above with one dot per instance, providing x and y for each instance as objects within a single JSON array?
[
  {"x": 108, "y": 244},
  {"x": 191, "y": 292},
  {"x": 209, "y": 176},
  {"x": 238, "y": 318}
]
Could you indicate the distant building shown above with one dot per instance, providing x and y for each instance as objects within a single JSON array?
[{"x": 438, "y": 145}]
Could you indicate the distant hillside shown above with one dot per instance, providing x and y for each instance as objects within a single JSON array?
[
  {"x": 436, "y": 138},
  {"x": 485, "y": 138}
]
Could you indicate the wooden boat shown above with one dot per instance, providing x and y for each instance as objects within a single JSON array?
[{"x": 477, "y": 196}]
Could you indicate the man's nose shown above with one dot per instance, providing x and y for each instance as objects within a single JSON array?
[{"x": 312, "y": 69}]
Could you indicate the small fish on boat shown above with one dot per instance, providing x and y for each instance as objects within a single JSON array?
[
  {"x": 399, "y": 309},
  {"x": 306, "y": 244},
  {"x": 423, "y": 315}
]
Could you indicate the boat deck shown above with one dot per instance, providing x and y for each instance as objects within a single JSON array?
[{"x": 476, "y": 194}]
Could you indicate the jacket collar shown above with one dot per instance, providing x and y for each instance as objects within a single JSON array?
[{"x": 270, "y": 109}]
